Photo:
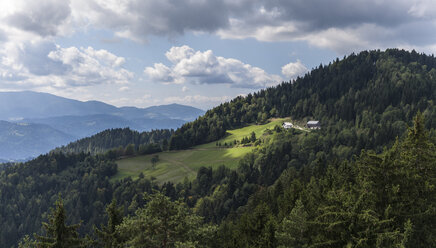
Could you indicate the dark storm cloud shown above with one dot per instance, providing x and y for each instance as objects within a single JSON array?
[
  {"x": 41, "y": 17},
  {"x": 321, "y": 14},
  {"x": 341, "y": 25},
  {"x": 140, "y": 19}
]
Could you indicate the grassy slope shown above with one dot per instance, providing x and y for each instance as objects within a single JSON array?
[{"x": 176, "y": 165}]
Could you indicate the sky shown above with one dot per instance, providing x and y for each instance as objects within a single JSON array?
[{"x": 194, "y": 52}]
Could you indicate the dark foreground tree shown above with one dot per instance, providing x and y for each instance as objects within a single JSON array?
[
  {"x": 107, "y": 236},
  {"x": 57, "y": 233},
  {"x": 163, "y": 223}
]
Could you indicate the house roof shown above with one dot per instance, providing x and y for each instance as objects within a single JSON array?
[{"x": 313, "y": 123}]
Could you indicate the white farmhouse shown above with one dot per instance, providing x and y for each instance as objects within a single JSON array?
[
  {"x": 287, "y": 125},
  {"x": 313, "y": 124}
]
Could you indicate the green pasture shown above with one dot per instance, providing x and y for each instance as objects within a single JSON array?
[{"x": 174, "y": 166}]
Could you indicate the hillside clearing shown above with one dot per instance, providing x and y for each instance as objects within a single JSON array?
[{"x": 174, "y": 166}]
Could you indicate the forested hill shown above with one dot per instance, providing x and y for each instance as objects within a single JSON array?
[
  {"x": 298, "y": 188},
  {"x": 118, "y": 138},
  {"x": 377, "y": 92}
]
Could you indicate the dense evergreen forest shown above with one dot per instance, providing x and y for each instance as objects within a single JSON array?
[
  {"x": 118, "y": 139},
  {"x": 367, "y": 178},
  {"x": 368, "y": 99}
]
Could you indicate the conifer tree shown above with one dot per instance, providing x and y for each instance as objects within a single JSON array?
[
  {"x": 57, "y": 233},
  {"x": 291, "y": 231},
  {"x": 163, "y": 223},
  {"x": 415, "y": 196},
  {"x": 107, "y": 235}
]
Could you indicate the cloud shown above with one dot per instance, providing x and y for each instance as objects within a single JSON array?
[
  {"x": 124, "y": 89},
  {"x": 89, "y": 66},
  {"x": 44, "y": 18},
  {"x": 138, "y": 19},
  {"x": 423, "y": 9},
  {"x": 43, "y": 64},
  {"x": 198, "y": 99},
  {"x": 339, "y": 25},
  {"x": 160, "y": 72},
  {"x": 198, "y": 67},
  {"x": 34, "y": 58},
  {"x": 315, "y": 22},
  {"x": 23, "y": 21},
  {"x": 293, "y": 70}
]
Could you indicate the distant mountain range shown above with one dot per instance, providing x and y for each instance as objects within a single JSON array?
[
  {"x": 21, "y": 141},
  {"x": 33, "y": 123},
  {"x": 34, "y": 105}
]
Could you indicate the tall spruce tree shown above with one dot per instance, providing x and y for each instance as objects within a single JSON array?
[
  {"x": 57, "y": 233},
  {"x": 164, "y": 223},
  {"x": 107, "y": 236}
]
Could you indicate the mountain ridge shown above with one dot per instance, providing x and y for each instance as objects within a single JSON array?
[
  {"x": 77, "y": 119},
  {"x": 30, "y": 105}
]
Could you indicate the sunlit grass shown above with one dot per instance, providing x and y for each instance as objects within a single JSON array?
[{"x": 174, "y": 166}]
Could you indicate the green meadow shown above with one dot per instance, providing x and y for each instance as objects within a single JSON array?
[{"x": 174, "y": 166}]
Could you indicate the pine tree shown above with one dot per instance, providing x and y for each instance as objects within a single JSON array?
[
  {"x": 292, "y": 229},
  {"x": 252, "y": 137},
  {"x": 416, "y": 185},
  {"x": 107, "y": 235},
  {"x": 57, "y": 233},
  {"x": 163, "y": 223}
]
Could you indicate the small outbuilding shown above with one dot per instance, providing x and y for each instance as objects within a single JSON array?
[
  {"x": 313, "y": 124},
  {"x": 287, "y": 125}
]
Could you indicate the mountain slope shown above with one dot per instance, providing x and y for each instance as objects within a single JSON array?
[
  {"x": 20, "y": 141},
  {"x": 375, "y": 92}
]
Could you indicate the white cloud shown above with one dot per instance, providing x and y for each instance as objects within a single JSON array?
[
  {"x": 176, "y": 54},
  {"x": 198, "y": 67},
  {"x": 184, "y": 89},
  {"x": 293, "y": 70},
  {"x": 90, "y": 66},
  {"x": 197, "y": 99},
  {"x": 124, "y": 89},
  {"x": 37, "y": 65},
  {"x": 159, "y": 72}
]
